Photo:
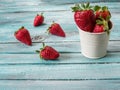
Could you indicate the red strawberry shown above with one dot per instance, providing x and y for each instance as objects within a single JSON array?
[
  {"x": 48, "y": 53},
  {"x": 101, "y": 26},
  {"x": 56, "y": 29},
  {"x": 110, "y": 24},
  {"x": 98, "y": 28},
  {"x": 84, "y": 17},
  {"x": 23, "y": 36},
  {"x": 38, "y": 20},
  {"x": 102, "y": 12}
]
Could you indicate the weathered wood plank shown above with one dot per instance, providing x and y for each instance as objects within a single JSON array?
[
  {"x": 63, "y": 71},
  {"x": 65, "y": 58},
  {"x": 70, "y": 53},
  {"x": 61, "y": 46},
  {"x": 40, "y": 6},
  {"x": 76, "y": 1},
  {"x": 60, "y": 85}
]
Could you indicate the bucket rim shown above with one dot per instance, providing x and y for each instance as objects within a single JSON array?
[{"x": 91, "y": 33}]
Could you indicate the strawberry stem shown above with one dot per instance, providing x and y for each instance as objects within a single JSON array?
[
  {"x": 53, "y": 22},
  {"x": 42, "y": 13},
  {"x": 15, "y": 33},
  {"x": 22, "y": 27},
  {"x": 43, "y": 44},
  {"x": 104, "y": 8},
  {"x": 47, "y": 31},
  {"x": 37, "y": 51}
]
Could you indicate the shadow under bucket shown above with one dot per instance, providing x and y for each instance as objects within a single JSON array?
[{"x": 94, "y": 45}]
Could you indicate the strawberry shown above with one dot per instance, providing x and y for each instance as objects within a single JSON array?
[
  {"x": 55, "y": 29},
  {"x": 98, "y": 28},
  {"x": 84, "y": 17},
  {"x": 102, "y": 12},
  {"x": 48, "y": 53},
  {"x": 38, "y": 20},
  {"x": 23, "y": 36},
  {"x": 110, "y": 24},
  {"x": 101, "y": 26}
]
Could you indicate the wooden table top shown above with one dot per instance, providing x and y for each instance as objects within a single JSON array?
[{"x": 21, "y": 67}]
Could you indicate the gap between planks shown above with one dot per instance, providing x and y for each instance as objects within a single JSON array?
[
  {"x": 53, "y": 41},
  {"x": 103, "y": 79},
  {"x": 32, "y": 64}
]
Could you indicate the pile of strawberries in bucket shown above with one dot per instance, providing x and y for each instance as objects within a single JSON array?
[
  {"x": 94, "y": 27},
  {"x": 94, "y": 19}
]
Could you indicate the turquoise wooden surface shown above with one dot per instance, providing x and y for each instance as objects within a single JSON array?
[{"x": 22, "y": 69}]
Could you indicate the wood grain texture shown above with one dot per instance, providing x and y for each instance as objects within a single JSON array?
[
  {"x": 69, "y": 53},
  {"x": 37, "y": 6},
  {"x": 61, "y": 46},
  {"x": 65, "y": 58},
  {"x": 60, "y": 85},
  {"x": 63, "y": 71},
  {"x": 21, "y": 68}
]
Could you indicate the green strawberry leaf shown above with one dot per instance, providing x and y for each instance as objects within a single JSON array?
[
  {"x": 97, "y": 8},
  {"x": 90, "y": 7},
  {"x": 83, "y": 6},
  {"x": 37, "y": 51},
  {"x": 87, "y": 5},
  {"x": 104, "y": 8},
  {"x": 99, "y": 22},
  {"x": 41, "y": 49},
  {"x": 76, "y": 8},
  {"x": 108, "y": 18}
]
